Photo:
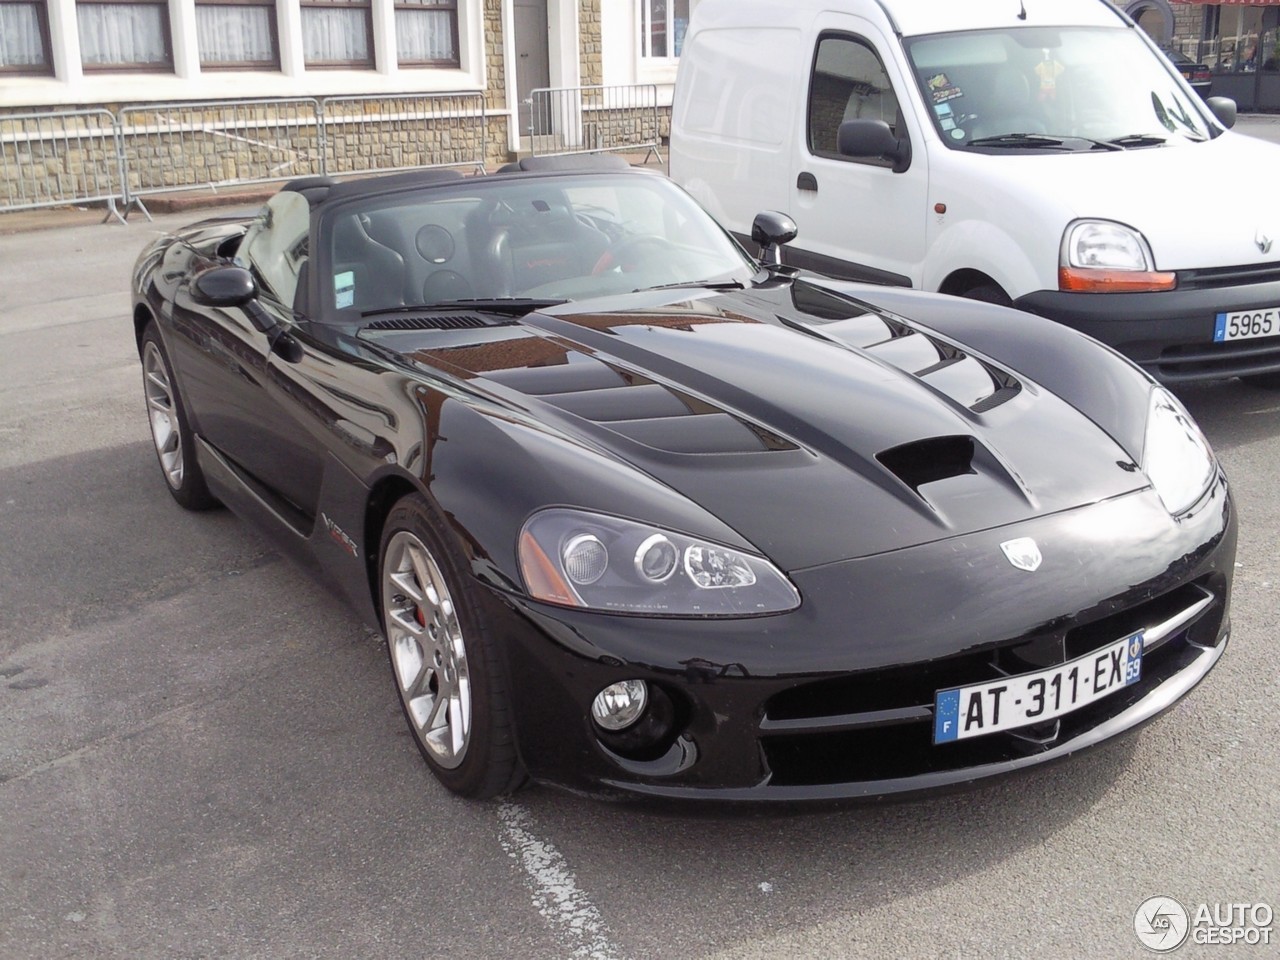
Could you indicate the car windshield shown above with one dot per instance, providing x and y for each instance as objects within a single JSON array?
[
  {"x": 508, "y": 240},
  {"x": 1087, "y": 88}
]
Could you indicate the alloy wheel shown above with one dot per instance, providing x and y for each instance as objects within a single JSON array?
[
  {"x": 162, "y": 414},
  {"x": 428, "y": 651}
]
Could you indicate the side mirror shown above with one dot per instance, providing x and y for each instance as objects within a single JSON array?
[
  {"x": 873, "y": 138},
  {"x": 771, "y": 230},
  {"x": 224, "y": 286},
  {"x": 1224, "y": 108}
]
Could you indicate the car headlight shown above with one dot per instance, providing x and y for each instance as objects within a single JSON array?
[
  {"x": 1176, "y": 457},
  {"x": 1099, "y": 256},
  {"x": 579, "y": 559}
]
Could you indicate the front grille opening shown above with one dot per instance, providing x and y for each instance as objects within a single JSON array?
[
  {"x": 1056, "y": 642},
  {"x": 907, "y": 750},
  {"x": 880, "y": 689},
  {"x": 1204, "y": 630},
  {"x": 1217, "y": 277},
  {"x": 1203, "y": 361},
  {"x": 930, "y": 460}
]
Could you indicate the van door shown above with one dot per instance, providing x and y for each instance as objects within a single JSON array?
[{"x": 858, "y": 219}]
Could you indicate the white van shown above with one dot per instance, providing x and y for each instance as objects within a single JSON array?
[{"x": 1041, "y": 153}]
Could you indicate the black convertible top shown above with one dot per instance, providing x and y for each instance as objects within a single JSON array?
[{"x": 320, "y": 190}]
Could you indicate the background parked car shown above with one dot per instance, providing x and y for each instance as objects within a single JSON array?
[{"x": 1196, "y": 74}]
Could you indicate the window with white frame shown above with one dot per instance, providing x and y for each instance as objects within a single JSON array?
[
  {"x": 237, "y": 34},
  {"x": 336, "y": 33},
  {"x": 128, "y": 35},
  {"x": 24, "y": 37},
  {"x": 427, "y": 32},
  {"x": 662, "y": 28}
]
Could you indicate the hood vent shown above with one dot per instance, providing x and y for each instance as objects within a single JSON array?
[
  {"x": 638, "y": 408},
  {"x": 930, "y": 460},
  {"x": 437, "y": 321},
  {"x": 968, "y": 381}
]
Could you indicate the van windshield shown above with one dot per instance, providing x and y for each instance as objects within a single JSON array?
[{"x": 1054, "y": 89}]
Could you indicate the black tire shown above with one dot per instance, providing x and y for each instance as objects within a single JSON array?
[
  {"x": 1263, "y": 381},
  {"x": 449, "y": 672},
  {"x": 171, "y": 435},
  {"x": 988, "y": 293}
]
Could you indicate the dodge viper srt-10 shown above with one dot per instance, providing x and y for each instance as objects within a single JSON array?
[{"x": 641, "y": 515}]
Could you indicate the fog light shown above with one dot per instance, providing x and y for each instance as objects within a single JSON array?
[{"x": 619, "y": 705}]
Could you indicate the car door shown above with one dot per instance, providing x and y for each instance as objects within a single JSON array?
[
  {"x": 858, "y": 219},
  {"x": 245, "y": 394}
]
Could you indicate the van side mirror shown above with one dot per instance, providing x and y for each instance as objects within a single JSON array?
[
  {"x": 873, "y": 138},
  {"x": 771, "y": 230},
  {"x": 1224, "y": 108}
]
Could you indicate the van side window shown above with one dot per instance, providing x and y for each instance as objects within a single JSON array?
[{"x": 848, "y": 83}]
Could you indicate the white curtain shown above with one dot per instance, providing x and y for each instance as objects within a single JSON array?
[
  {"x": 423, "y": 35},
  {"x": 335, "y": 33},
  {"x": 234, "y": 34},
  {"x": 113, "y": 34},
  {"x": 20, "y": 41}
]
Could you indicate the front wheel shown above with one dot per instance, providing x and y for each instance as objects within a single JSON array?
[
  {"x": 170, "y": 432},
  {"x": 444, "y": 655}
]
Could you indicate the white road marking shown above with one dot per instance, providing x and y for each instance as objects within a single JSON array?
[{"x": 556, "y": 894}]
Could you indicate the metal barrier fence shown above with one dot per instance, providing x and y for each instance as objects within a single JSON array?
[
  {"x": 52, "y": 159},
  {"x": 188, "y": 146},
  {"x": 594, "y": 120},
  {"x": 97, "y": 156},
  {"x": 368, "y": 133}
]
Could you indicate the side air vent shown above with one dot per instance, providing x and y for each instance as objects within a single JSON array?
[
  {"x": 432, "y": 321},
  {"x": 927, "y": 461}
]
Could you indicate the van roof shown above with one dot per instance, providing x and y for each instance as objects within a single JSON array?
[{"x": 912, "y": 17}]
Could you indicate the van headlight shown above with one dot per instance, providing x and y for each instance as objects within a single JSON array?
[
  {"x": 576, "y": 558},
  {"x": 1099, "y": 256},
  {"x": 1176, "y": 457}
]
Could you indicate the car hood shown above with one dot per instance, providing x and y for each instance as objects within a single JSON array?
[
  {"x": 1198, "y": 205},
  {"x": 818, "y": 428}
]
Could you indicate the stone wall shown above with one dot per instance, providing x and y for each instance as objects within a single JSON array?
[
  {"x": 591, "y": 50},
  {"x": 76, "y": 157}
]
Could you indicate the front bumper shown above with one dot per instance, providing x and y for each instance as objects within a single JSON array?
[
  {"x": 1170, "y": 334},
  {"x": 834, "y": 700}
]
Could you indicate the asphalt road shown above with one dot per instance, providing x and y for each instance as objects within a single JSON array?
[{"x": 201, "y": 752}]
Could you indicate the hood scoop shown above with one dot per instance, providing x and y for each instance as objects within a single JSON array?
[{"x": 930, "y": 460}]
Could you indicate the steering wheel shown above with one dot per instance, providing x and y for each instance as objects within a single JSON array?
[{"x": 628, "y": 254}]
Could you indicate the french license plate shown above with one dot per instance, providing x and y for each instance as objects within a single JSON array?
[
  {"x": 1012, "y": 702},
  {"x": 1247, "y": 324}
]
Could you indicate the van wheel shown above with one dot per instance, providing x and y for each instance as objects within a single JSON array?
[{"x": 988, "y": 293}]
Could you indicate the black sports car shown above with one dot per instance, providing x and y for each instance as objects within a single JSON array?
[{"x": 639, "y": 514}]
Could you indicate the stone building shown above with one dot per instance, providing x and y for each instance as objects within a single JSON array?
[{"x": 213, "y": 91}]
